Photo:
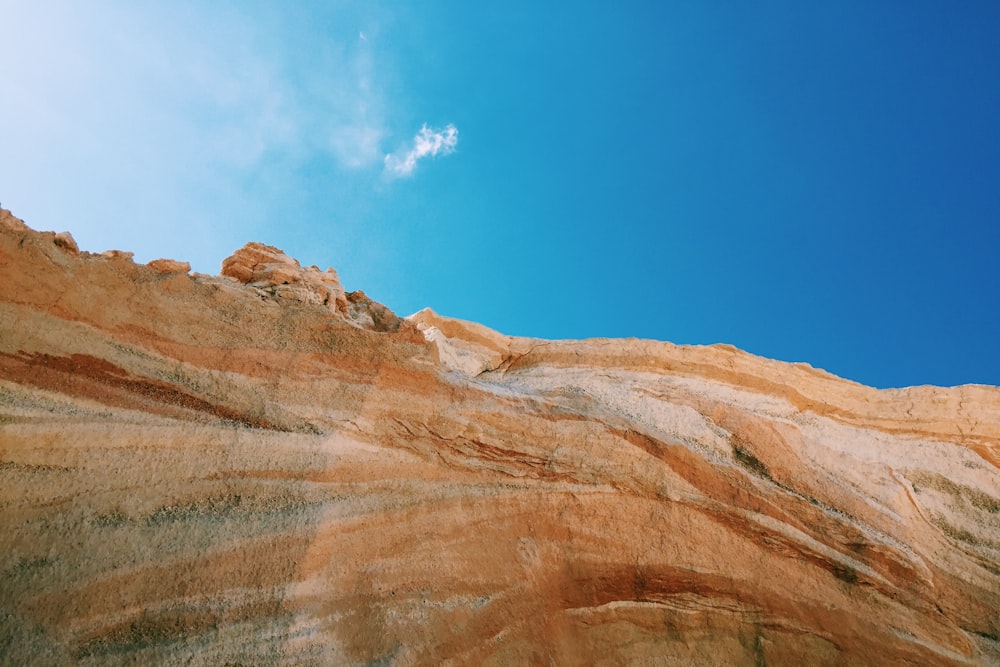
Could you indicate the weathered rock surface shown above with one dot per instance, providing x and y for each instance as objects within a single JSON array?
[
  {"x": 169, "y": 266},
  {"x": 275, "y": 274},
  {"x": 265, "y": 469}
]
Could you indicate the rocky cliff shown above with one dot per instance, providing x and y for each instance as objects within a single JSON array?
[{"x": 262, "y": 468}]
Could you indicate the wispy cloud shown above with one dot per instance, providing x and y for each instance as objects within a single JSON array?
[
  {"x": 153, "y": 100},
  {"x": 201, "y": 120},
  {"x": 352, "y": 105},
  {"x": 427, "y": 142}
]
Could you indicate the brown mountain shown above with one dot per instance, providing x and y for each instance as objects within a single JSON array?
[{"x": 262, "y": 468}]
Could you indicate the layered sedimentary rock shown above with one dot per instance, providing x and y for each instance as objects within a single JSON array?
[{"x": 261, "y": 468}]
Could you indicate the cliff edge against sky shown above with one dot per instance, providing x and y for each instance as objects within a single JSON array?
[{"x": 263, "y": 468}]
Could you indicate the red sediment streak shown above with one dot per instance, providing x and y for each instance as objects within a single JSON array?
[{"x": 85, "y": 376}]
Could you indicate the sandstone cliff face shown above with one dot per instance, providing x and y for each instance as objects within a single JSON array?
[{"x": 261, "y": 468}]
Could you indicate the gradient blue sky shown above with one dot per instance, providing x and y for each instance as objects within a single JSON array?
[{"x": 808, "y": 181}]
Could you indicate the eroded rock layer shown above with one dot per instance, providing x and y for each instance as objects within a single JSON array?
[{"x": 261, "y": 468}]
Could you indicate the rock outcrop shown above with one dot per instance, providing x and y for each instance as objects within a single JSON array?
[
  {"x": 262, "y": 468},
  {"x": 273, "y": 273},
  {"x": 169, "y": 266}
]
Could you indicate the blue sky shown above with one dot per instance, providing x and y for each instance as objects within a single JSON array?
[{"x": 812, "y": 182}]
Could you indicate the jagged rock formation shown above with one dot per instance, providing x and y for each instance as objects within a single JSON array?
[
  {"x": 261, "y": 468},
  {"x": 275, "y": 274}
]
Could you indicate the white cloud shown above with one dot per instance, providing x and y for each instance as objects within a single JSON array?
[{"x": 427, "y": 142}]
